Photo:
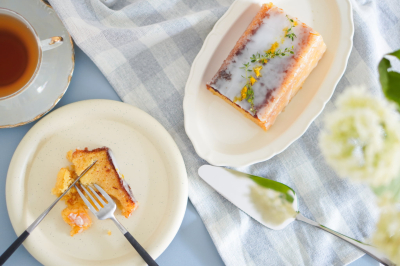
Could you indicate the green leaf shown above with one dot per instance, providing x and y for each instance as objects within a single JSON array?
[
  {"x": 267, "y": 183},
  {"x": 390, "y": 80},
  {"x": 396, "y": 54}
]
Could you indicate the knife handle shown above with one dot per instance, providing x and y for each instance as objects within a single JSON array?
[
  {"x": 4, "y": 257},
  {"x": 370, "y": 250}
]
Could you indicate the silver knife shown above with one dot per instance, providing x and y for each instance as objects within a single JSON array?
[
  {"x": 269, "y": 202},
  {"x": 14, "y": 246}
]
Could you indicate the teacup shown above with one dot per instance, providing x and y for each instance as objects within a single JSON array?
[{"x": 20, "y": 53}]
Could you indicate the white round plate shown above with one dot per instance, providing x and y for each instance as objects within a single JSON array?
[
  {"x": 222, "y": 135},
  {"x": 56, "y": 69},
  {"x": 147, "y": 156}
]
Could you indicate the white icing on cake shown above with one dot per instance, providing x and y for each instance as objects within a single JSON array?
[
  {"x": 273, "y": 73},
  {"x": 121, "y": 178}
]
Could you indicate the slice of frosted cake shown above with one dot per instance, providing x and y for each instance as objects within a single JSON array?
[
  {"x": 104, "y": 173},
  {"x": 268, "y": 65}
]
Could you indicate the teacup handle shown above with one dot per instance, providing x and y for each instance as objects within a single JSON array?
[{"x": 51, "y": 43}]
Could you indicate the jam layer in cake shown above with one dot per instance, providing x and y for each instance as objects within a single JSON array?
[{"x": 268, "y": 65}]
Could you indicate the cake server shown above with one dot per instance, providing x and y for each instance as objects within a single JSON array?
[
  {"x": 269, "y": 202},
  {"x": 4, "y": 257}
]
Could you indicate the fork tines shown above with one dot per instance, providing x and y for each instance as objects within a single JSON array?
[{"x": 94, "y": 198}]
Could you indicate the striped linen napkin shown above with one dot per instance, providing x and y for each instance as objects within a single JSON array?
[{"x": 145, "y": 49}]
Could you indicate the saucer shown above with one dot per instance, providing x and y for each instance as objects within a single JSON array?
[{"x": 53, "y": 77}]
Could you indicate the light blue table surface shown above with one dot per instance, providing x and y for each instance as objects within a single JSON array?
[{"x": 192, "y": 246}]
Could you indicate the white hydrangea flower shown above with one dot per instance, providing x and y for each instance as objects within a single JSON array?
[
  {"x": 387, "y": 234},
  {"x": 361, "y": 139}
]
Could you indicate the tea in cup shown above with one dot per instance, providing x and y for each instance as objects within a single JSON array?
[{"x": 20, "y": 53}]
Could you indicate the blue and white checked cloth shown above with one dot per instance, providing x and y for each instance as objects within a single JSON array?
[{"x": 145, "y": 49}]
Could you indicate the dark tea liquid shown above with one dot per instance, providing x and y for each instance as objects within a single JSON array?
[{"x": 19, "y": 55}]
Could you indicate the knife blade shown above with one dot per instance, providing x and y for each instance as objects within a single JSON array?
[{"x": 269, "y": 202}]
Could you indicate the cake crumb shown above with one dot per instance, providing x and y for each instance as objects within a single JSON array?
[
  {"x": 109, "y": 232},
  {"x": 69, "y": 155},
  {"x": 64, "y": 180}
]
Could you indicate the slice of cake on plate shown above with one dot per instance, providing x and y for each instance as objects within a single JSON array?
[
  {"x": 104, "y": 173},
  {"x": 268, "y": 65}
]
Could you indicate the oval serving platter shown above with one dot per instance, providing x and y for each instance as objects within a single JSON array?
[{"x": 223, "y": 136}]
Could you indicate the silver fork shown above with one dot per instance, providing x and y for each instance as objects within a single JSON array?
[{"x": 107, "y": 212}]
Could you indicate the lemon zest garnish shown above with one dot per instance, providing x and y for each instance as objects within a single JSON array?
[
  {"x": 243, "y": 93},
  {"x": 285, "y": 29},
  {"x": 257, "y": 71},
  {"x": 273, "y": 47},
  {"x": 252, "y": 80}
]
